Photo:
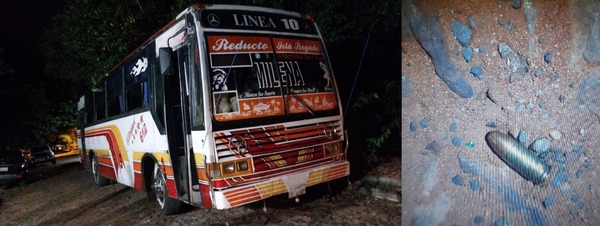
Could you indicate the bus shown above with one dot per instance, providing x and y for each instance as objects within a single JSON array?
[{"x": 224, "y": 106}]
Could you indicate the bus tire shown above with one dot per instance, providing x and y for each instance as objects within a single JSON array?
[
  {"x": 167, "y": 204},
  {"x": 98, "y": 179}
]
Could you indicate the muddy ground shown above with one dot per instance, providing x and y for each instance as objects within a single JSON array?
[
  {"x": 544, "y": 86},
  {"x": 64, "y": 194}
]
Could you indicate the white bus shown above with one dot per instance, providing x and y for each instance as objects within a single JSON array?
[{"x": 224, "y": 106}]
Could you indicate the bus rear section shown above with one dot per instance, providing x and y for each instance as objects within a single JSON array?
[{"x": 225, "y": 106}]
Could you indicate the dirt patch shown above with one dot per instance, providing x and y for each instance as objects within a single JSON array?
[{"x": 66, "y": 195}]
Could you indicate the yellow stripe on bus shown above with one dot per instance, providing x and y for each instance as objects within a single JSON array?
[{"x": 271, "y": 188}]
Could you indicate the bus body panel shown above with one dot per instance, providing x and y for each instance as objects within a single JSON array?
[{"x": 281, "y": 137}]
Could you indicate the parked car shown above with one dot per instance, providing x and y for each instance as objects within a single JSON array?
[
  {"x": 41, "y": 154},
  {"x": 61, "y": 150},
  {"x": 13, "y": 166}
]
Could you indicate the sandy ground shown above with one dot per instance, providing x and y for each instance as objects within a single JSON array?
[{"x": 439, "y": 187}]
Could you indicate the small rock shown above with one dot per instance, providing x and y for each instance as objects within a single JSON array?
[
  {"x": 541, "y": 145},
  {"x": 554, "y": 77},
  {"x": 541, "y": 41},
  {"x": 458, "y": 180},
  {"x": 538, "y": 73},
  {"x": 453, "y": 127},
  {"x": 509, "y": 27},
  {"x": 542, "y": 105},
  {"x": 462, "y": 33},
  {"x": 483, "y": 48},
  {"x": 579, "y": 173},
  {"x": 537, "y": 93},
  {"x": 548, "y": 202},
  {"x": 434, "y": 147},
  {"x": 548, "y": 57},
  {"x": 413, "y": 126},
  {"x": 516, "y": 4},
  {"x": 501, "y": 22},
  {"x": 477, "y": 72},
  {"x": 523, "y": 137},
  {"x": 457, "y": 141},
  {"x": 559, "y": 178},
  {"x": 582, "y": 132},
  {"x": 520, "y": 107},
  {"x": 530, "y": 106},
  {"x": 561, "y": 98},
  {"x": 573, "y": 212},
  {"x": 423, "y": 122},
  {"x": 472, "y": 22},
  {"x": 544, "y": 155},
  {"x": 513, "y": 77},
  {"x": 555, "y": 135},
  {"x": 575, "y": 198},
  {"x": 474, "y": 185},
  {"x": 467, "y": 54},
  {"x": 559, "y": 156},
  {"x": 491, "y": 124}
]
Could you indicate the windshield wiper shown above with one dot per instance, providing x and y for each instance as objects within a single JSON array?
[{"x": 295, "y": 95}]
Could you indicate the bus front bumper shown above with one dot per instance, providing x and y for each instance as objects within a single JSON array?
[{"x": 294, "y": 184}]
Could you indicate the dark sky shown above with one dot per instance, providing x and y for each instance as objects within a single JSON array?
[{"x": 21, "y": 25}]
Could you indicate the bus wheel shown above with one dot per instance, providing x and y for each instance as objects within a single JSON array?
[
  {"x": 98, "y": 179},
  {"x": 159, "y": 187}
]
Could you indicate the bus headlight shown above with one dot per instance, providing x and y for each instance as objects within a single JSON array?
[
  {"x": 332, "y": 148},
  {"x": 229, "y": 167},
  {"x": 242, "y": 166},
  {"x": 235, "y": 168}
]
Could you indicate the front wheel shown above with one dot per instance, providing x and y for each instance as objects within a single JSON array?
[
  {"x": 98, "y": 179},
  {"x": 159, "y": 187}
]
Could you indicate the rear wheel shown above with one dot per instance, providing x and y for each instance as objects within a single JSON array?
[
  {"x": 159, "y": 187},
  {"x": 98, "y": 179}
]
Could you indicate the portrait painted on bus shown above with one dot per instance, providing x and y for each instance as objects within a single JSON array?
[{"x": 226, "y": 102}]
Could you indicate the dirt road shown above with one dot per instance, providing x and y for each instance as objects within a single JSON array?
[{"x": 64, "y": 194}]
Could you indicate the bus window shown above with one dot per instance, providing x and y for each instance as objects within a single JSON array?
[{"x": 114, "y": 87}]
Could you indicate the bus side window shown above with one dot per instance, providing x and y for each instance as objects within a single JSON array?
[
  {"x": 137, "y": 96},
  {"x": 114, "y": 88}
]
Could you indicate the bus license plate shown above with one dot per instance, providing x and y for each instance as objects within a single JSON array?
[{"x": 3, "y": 169}]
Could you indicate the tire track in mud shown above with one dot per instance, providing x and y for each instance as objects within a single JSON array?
[{"x": 77, "y": 212}]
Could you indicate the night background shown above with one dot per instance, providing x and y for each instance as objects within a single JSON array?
[{"x": 52, "y": 50}]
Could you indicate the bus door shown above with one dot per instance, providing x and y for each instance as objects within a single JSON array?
[{"x": 177, "y": 113}]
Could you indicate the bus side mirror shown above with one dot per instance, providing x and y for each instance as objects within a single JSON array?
[{"x": 164, "y": 56}]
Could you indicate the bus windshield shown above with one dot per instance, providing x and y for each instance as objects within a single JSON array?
[{"x": 259, "y": 75}]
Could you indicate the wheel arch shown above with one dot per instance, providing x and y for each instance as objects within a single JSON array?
[{"x": 148, "y": 162}]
